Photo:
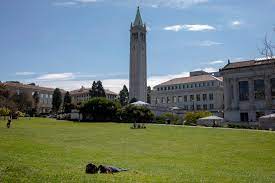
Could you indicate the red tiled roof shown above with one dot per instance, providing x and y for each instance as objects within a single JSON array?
[
  {"x": 87, "y": 90},
  {"x": 192, "y": 79},
  {"x": 21, "y": 85},
  {"x": 249, "y": 63}
]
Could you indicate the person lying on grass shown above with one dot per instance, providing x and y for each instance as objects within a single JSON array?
[{"x": 93, "y": 169}]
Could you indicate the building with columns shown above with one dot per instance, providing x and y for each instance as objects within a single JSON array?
[
  {"x": 138, "y": 60},
  {"x": 200, "y": 91},
  {"x": 249, "y": 89}
]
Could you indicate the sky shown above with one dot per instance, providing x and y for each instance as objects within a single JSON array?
[{"x": 71, "y": 43}]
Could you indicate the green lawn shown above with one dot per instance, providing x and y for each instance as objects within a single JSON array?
[{"x": 44, "y": 150}]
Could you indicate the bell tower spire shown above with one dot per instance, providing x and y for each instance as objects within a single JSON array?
[{"x": 138, "y": 60}]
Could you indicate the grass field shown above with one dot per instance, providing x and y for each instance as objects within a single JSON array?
[{"x": 45, "y": 150}]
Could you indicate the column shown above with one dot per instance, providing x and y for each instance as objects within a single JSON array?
[
  {"x": 236, "y": 94},
  {"x": 268, "y": 98}
]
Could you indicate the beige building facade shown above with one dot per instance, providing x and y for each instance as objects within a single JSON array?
[
  {"x": 200, "y": 91},
  {"x": 249, "y": 90},
  {"x": 45, "y": 94},
  {"x": 83, "y": 94}
]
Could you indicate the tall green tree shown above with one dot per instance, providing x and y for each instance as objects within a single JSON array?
[
  {"x": 124, "y": 96},
  {"x": 57, "y": 100},
  {"x": 149, "y": 95},
  {"x": 67, "y": 104},
  {"x": 36, "y": 99},
  {"x": 97, "y": 90},
  {"x": 23, "y": 102},
  {"x": 100, "y": 89}
]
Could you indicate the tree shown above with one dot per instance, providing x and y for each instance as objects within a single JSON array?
[
  {"x": 268, "y": 49},
  {"x": 136, "y": 114},
  {"x": 192, "y": 117},
  {"x": 100, "y": 109},
  {"x": 97, "y": 90},
  {"x": 149, "y": 95},
  {"x": 67, "y": 104},
  {"x": 133, "y": 100},
  {"x": 4, "y": 112},
  {"x": 124, "y": 96},
  {"x": 23, "y": 102},
  {"x": 57, "y": 100},
  {"x": 36, "y": 100}
]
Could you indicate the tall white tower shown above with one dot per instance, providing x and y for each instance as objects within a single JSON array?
[{"x": 138, "y": 60}]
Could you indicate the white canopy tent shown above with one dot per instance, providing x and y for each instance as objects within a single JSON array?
[
  {"x": 267, "y": 122},
  {"x": 140, "y": 103},
  {"x": 210, "y": 121}
]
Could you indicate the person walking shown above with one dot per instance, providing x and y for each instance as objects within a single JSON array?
[{"x": 9, "y": 122}]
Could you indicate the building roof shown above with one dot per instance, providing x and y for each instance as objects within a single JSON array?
[
  {"x": 249, "y": 63},
  {"x": 28, "y": 86},
  {"x": 138, "y": 19},
  {"x": 191, "y": 79},
  {"x": 87, "y": 90}
]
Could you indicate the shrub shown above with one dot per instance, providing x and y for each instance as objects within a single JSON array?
[
  {"x": 100, "y": 109},
  {"x": 172, "y": 118},
  {"x": 139, "y": 114},
  {"x": 192, "y": 117},
  {"x": 4, "y": 111}
]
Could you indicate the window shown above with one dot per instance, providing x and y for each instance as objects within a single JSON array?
[
  {"x": 186, "y": 107},
  {"x": 243, "y": 90},
  {"x": 191, "y": 98},
  {"x": 168, "y": 87},
  {"x": 211, "y": 106},
  {"x": 195, "y": 85},
  {"x": 198, "y": 107},
  {"x": 168, "y": 100},
  {"x": 185, "y": 98},
  {"x": 198, "y": 96},
  {"x": 172, "y": 87},
  {"x": 179, "y": 98},
  {"x": 212, "y": 83},
  {"x": 175, "y": 99},
  {"x": 204, "y": 106},
  {"x": 158, "y": 89},
  {"x": 192, "y": 107},
  {"x": 244, "y": 116},
  {"x": 211, "y": 96},
  {"x": 161, "y": 88},
  {"x": 199, "y": 85},
  {"x": 165, "y": 88},
  {"x": 183, "y": 86},
  {"x": 259, "y": 90},
  {"x": 273, "y": 88},
  {"x": 204, "y": 97}
]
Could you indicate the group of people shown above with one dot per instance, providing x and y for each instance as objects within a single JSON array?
[{"x": 93, "y": 169}]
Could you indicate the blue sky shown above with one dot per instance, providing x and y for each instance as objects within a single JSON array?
[{"x": 70, "y": 43}]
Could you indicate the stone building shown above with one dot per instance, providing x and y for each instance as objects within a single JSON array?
[
  {"x": 83, "y": 94},
  {"x": 138, "y": 60},
  {"x": 249, "y": 89},
  {"x": 200, "y": 91},
  {"x": 45, "y": 94}
]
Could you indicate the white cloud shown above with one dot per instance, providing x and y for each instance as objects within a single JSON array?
[
  {"x": 73, "y": 2},
  {"x": 24, "y": 73},
  {"x": 172, "y": 3},
  {"x": 236, "y": 23},
  {"x": 65, "y": 3},
  {"x": 190, "y": 27},
  {"x": 209, "y": 43},
  {"x": 207, "y": 69},
  {"x": 216, "y": 62},
  {"x": 56, "y": 76}
]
